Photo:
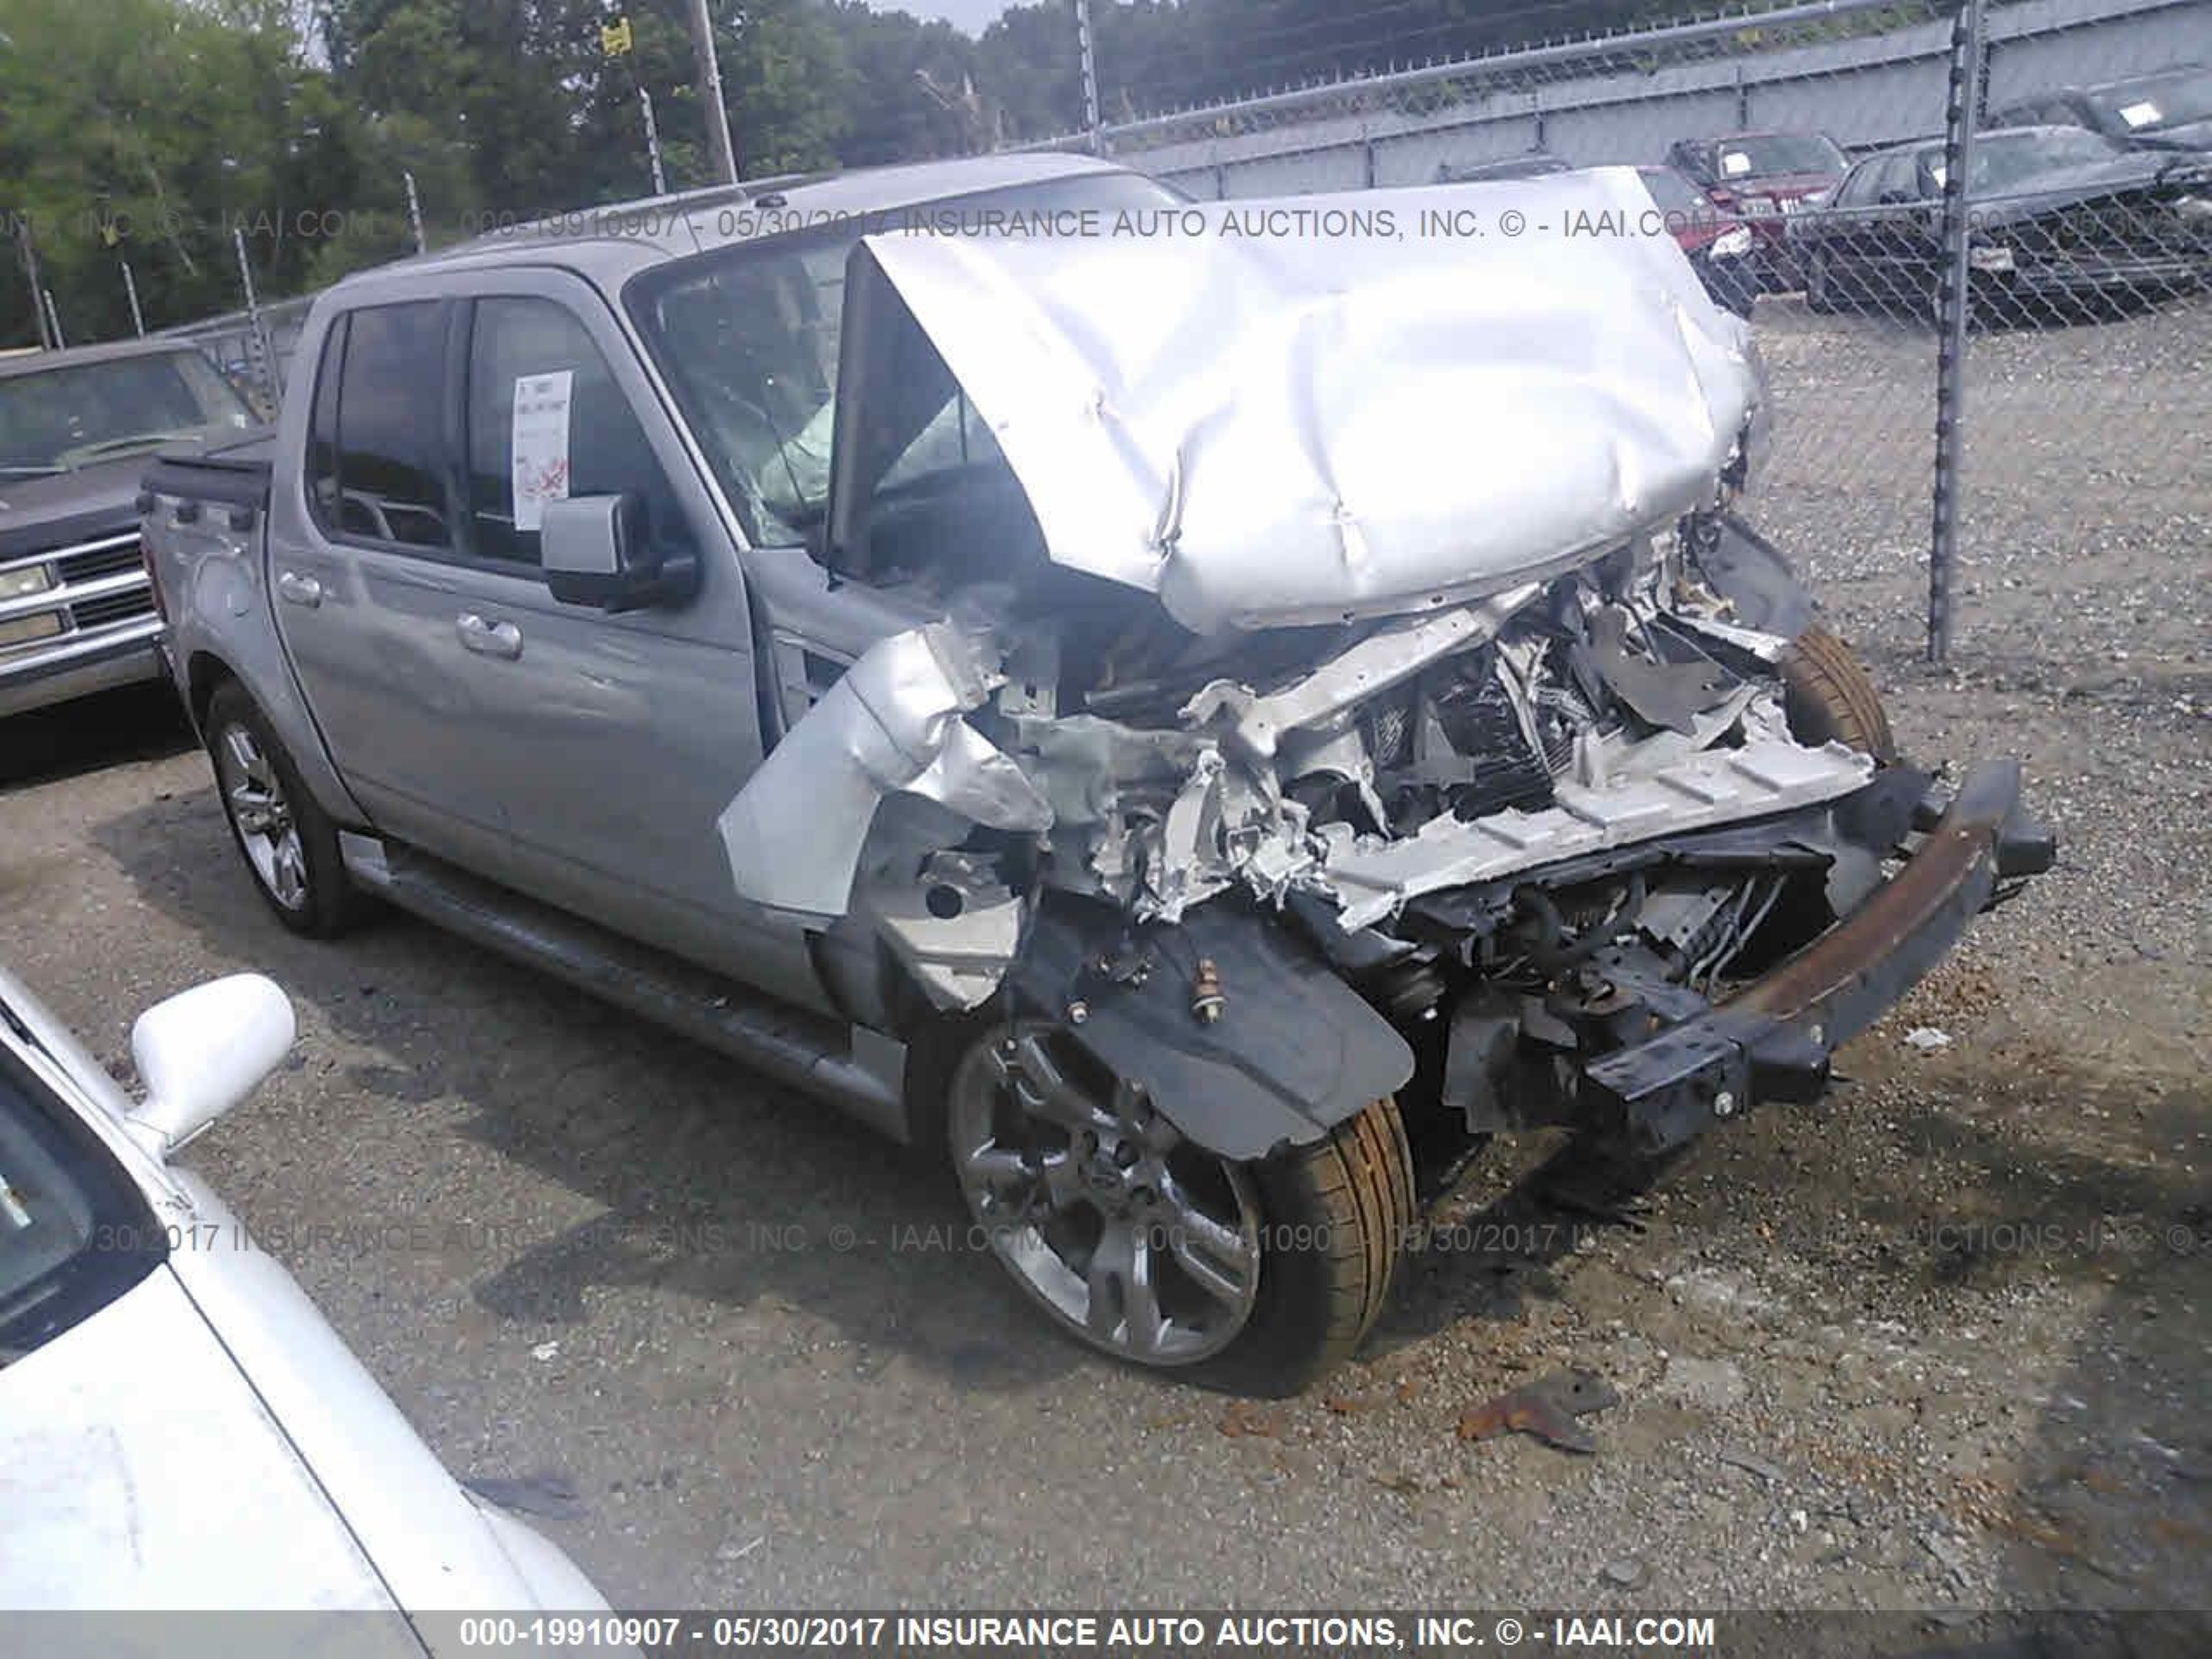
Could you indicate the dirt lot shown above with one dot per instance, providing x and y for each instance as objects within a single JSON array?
[{"x": 1940, "y": 1343}]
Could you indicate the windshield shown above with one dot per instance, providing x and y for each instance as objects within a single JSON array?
[
  {"x": 2015, "y": 161},
  {"x": 2157, "y": 102},
  {"x": 1674, "y": 195},
  {"x": 1773, "y": 154},
  {"x": 57, "y": 420},
  {"x": 74, "y": 1233},
  {"x": 749, "y": 336}
]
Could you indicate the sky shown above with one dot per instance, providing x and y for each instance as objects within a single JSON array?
[{"x": 971, "y": 15}]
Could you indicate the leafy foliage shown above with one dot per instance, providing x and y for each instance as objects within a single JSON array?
[{"x": 152, "y": 130}]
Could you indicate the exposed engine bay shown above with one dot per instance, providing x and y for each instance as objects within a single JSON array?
[{"x": 1482, "y": 821}]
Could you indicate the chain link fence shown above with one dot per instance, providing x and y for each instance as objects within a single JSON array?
[{"x": 1809, "y": 156}]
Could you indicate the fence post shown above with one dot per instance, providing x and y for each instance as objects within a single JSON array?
[
  {"x": 1955, "y": 302},
  {"x": 30, "y": 274},
  {"x": 264, "y": 350},
  {"x": 130, "y": 289},
  {"x": 653, "y": 141},
  {"x": 1086, "y": 49}
]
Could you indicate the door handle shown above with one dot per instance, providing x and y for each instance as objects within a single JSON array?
[
  {"x": 488, "y": 638},
  {"x": 298, "y": 589}
]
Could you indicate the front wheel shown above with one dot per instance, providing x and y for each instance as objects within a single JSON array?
[{"x": 1262, "y": 1274}]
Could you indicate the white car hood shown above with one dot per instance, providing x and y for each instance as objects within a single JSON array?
[
  {"x": 138, "y": 1469},
  {"x": 1273, "y": 430}
]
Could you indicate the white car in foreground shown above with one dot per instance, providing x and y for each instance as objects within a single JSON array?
[{"x": 179, "y": 1427}]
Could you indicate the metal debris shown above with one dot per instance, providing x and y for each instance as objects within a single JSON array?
[
  {"x": 1752, "y": 1463},
  {"x": 554, "y": 1496}
]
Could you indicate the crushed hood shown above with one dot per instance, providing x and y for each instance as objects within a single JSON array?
[{"x": 1269, "y": 429}]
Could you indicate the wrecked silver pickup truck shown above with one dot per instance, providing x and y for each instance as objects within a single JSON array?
[{"x": 1203, "y": 716}]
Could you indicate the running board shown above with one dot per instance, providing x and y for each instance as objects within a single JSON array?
[{"x": 810, "y": 1051}]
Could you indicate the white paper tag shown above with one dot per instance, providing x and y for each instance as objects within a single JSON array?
[
  {"x": 2139, "y": 115},
  {"x": 541, "y": 444},
  {"x": 1735, "y": 163}
]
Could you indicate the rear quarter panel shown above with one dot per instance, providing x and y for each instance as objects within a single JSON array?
[{"x": 213, "y": 564}]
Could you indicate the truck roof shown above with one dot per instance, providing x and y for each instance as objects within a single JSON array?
[{"x": 610, "y": 243}]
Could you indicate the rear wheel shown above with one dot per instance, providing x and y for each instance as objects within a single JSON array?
[
  {"x": 288, "y": 843},
  {"x": 1142, "y": 1244}
]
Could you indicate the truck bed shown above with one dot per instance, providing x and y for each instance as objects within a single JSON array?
[{"x": 236, "y": 475}]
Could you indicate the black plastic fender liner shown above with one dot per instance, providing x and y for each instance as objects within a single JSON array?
[
  {"x": 1294, "y": 1051},
  {"x": 1747, "y": 569}
]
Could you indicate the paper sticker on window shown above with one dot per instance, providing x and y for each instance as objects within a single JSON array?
[
  {"x": 2141, "y": 115},
  {"x": 541, "y": 445},
  {"x": 1735, "y": 163}
]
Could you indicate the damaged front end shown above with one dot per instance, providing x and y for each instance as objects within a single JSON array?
[{"x": 1235, "y": 750}]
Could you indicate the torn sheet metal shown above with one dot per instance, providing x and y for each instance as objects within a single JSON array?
[
  {"x": 1304, "y": 429},
  {"x": 1385, "y": 658},
  {"x": 956, "y": 927},
  {"x": 894, "y": 723},
  {"x": 1767, "y": 775}
]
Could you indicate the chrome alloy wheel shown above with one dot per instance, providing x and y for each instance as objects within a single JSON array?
[
  {"x": 254, "y": 797},
  {"x": 1139, "y": 1242}
]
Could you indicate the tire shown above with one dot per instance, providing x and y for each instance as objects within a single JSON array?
[
  {"x": 288, "y": 843},
  {"x": 1355, "y": 1190},
  {"x": 1828, "y": 696},
  {"x": 1257, "y": 1276}
]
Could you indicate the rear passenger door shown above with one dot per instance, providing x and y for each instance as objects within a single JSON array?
[{"x": 364, "y": 566}]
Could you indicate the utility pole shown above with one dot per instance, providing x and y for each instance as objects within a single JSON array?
[
  {"x": 719, "y": 149},
  {"x": 1087, "y": 49},
  {"x": 53, "y": 318},
  {"x": 415, "y": 211}
]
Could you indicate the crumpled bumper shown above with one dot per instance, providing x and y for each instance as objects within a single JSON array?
[{"x": 1773, "y": 1039}]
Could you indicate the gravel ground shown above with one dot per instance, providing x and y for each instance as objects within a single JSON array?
[{"x": 1937, "y": 1343}]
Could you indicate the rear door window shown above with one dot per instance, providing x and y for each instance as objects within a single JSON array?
[
  {"x": 548, "y": 419},
  {"x": 391, "y": 484},
  {"x": 322, "y": 426}
]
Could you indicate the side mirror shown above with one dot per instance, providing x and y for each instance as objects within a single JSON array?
[
  {"x": 203, "y": 1051},
  {"x": 595, "y": 552}
]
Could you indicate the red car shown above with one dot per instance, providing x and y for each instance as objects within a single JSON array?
[{"x": 1763, "y": 177}]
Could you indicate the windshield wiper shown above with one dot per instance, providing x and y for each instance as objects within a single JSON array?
[
  {"x": 30, "y": 469},
  {"x": 117, "y": 446}
]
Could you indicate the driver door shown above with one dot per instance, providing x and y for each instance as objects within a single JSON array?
[{"x": 617, "y": 739}]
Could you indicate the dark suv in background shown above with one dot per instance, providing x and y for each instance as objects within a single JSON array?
[
  {"x": 2171, "y": 109},
  {"x": 77, "y": 612}
]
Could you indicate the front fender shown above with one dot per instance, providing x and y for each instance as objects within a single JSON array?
[{"x": 1294, "y": 1051}]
